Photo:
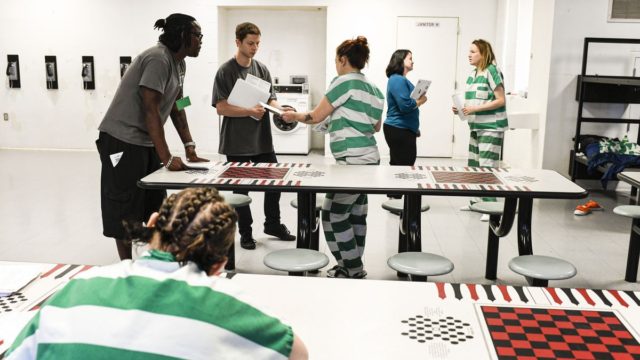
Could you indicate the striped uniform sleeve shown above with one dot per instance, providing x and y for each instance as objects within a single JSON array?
[{"x": 494, "y": 76}]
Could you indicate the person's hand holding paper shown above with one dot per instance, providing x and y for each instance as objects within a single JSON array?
[
  {"x": 458, "y": 102},
  {"x": 249, "y": 96}
]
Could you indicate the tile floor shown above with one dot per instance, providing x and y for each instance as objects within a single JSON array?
[{"x": 50, "y": 212}]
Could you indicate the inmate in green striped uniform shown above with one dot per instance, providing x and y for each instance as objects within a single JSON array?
[
  {"x": 487, "y": 127},
  {"x": 357, "y": 108},
  {"x": 152, "y": 308}
]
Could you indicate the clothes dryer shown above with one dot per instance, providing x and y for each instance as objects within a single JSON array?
[{"x": 291, "y": 138}]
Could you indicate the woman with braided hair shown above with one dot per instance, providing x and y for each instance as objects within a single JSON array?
[{"x": 169, "y": 302}]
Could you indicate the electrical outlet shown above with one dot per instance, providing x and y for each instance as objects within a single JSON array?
[{"x": 5, "y": 116}]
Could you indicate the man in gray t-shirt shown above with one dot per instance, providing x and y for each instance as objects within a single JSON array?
[
  {"x": 244, "y": 139},
  {"x": 131, "y": 141}
]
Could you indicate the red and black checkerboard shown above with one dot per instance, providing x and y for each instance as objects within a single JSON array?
[
  {"x": 459, "y": 177},
  {"x": 523, "y": 332}
]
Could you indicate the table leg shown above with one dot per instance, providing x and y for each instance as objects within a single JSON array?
[
  {"x": 411, "y": 221},
  {"x": 634, "y": 252},
  {"x": 306, "y": 218},
  {"x": 525, "y": 210}
]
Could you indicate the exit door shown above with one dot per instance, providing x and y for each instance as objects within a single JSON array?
[{"x": 433, "y": 41}]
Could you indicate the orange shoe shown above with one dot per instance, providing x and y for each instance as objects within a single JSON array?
[{"x": 587, "y": 208}]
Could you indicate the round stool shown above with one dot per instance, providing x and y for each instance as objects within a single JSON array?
[
  {"x": 296, "y": 261},
  {"x": 488, "y": 207},
  {"x": 633, "y": 255},
  {"x": 494, "y": 209},
  {"x": 632, "y": 211},
  {"x": 235, "y": 201},
  {"x": 419, "y": 265},
  {"x": 395, "y": 206},
  {"x": 319, "y": 201},
  {"x": 539, "y": 269}
]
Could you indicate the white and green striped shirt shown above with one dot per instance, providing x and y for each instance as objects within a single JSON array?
[
  {"x": 357, "y": 105},
  {"x": 480, "y": 90},
  {"x": 151, "y": 309}
]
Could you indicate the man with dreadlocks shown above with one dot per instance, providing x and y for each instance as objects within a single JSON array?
[
  {"x": 169, "y": 303},
  {"x": 131, "y": 141}
]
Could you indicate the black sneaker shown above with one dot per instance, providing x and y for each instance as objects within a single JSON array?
[
  {"x": 280, "y": 231},
  {"x": 247, "y": 242}
]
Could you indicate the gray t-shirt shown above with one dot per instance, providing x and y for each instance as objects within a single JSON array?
[
  {"x": 156, "y": 69},
  {"x": 242, "y": 135}
]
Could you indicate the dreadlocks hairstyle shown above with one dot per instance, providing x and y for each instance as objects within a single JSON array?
[
  {"x": 356, "y": 51},
  {"x": 486, "y": 52},
  {"x": 194, "y": 225},
  {"x": 246, "y": 28},
  {"x": 176, "y": 31},
  {"x": 396, "y": 63}
]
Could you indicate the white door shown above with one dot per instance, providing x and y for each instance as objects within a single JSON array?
[{"x": 433, "y": 41}]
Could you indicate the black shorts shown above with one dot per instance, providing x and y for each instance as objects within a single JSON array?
[{"x": 120, "y": 196}]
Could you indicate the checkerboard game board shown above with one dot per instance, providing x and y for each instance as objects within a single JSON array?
[{"x": 551, "y": 333}]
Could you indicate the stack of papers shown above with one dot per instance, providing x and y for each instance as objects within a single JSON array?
[
  {"x": 249, "y": 92},
  {"x": 14, "y": 277}
]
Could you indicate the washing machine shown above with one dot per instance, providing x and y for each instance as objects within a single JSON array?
[{"x": 291, "y": 138}]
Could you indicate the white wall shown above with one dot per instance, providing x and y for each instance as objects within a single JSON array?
[
  {"x": 107, "y": 29},
  {"x": 573, "y": 21}
]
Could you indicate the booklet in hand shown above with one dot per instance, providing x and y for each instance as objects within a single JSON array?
[
  {"x": 271, "y": 108},
  {"x": 421, "y": 89}
]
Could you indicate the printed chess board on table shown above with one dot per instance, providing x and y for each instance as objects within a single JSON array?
[
  {"x": 512, "y": 322},
  {"x": 467, "y": 178},
  {"x": 553, "y": 333},
  {"x": 53, "y": 277},
  {"x": 272, "y": 174}
]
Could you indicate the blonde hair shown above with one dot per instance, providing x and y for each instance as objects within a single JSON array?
[{"x": 486, "y": 52}]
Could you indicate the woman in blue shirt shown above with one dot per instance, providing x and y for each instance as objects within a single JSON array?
[{"x": 401, "y": 127}]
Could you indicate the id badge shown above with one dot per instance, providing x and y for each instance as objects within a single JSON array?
[{"x": 183, "y": 103}]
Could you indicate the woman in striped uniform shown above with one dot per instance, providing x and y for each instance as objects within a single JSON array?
[
  {"x": 166, "y": 304},
  {"x": 354, "y": 107},
  {"x": 485, "y": 107}
]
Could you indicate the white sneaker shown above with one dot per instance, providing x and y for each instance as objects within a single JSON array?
[{"x": 484, "y": 217}]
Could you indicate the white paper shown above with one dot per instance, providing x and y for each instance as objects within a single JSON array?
[
  {"x": 15, "y": 277},
  {"x": 247, "y": 95},
  {"x": 257, "y": 82},
  {"x": 458, "y": 102},
  {"x": 271, "y": 108},
  {"x": 115, "y": 158},
  {"x": 421, "y": 89},
  {"x": 11, "y": 324}
]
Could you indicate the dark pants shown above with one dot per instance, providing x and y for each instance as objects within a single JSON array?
[
  {"x": 402, "y": 147},
  {"x": 121, "y": 198},
  {"x": 271, "y": 199}
]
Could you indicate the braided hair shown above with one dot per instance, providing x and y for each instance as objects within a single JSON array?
[
  {"x": 176, "y": 31},
  {"x": 194, "y": 225}
]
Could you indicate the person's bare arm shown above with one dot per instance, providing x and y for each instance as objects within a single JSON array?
[
  {"x": 298, "y": 349},
  {"x": 151, "y": 103},
  {"x": 315, "y": 116},
  {"x": 179, "y": 119},
  {"x": 225, "y": 109}
]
